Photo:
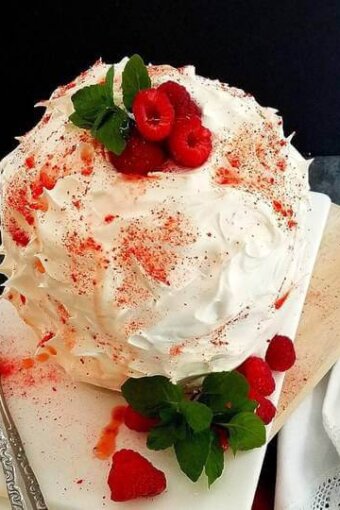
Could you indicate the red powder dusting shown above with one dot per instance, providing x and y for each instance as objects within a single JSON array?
[
  {"x": 30, "y": 162},
  {"x": 234, "y": 161},
  {"x": 19, "y": 236},
  {"x": 62, "y": 90},
  {"x": 7, "y": 367},
  {"x": 175, "y": 350},
  {"x": 76, "y": 203},
  {"x": 46, "y": 118},
  {"x": 281, "y": 301},
  {"x": 292, "y": 224},
  {"x": 107, "y": 441},
  {"x": 40, "y": 204},
  {"x": 225, "y": 176},
  {"x": 46, "y": 338},
  {"x": 86, "y": 155},
  {"x": 18, "y": 200},
  {"x": 282, "y": 164},
  {"x": 277, "y": 206},
  {"x": 109, "y": 218},
  {"x": 63, "y": 313}
]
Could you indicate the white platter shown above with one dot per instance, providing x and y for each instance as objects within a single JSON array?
[{"x": 60, "y": 421}]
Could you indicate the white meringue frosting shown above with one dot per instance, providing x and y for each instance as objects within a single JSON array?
[{"x": 180, "y": 272}]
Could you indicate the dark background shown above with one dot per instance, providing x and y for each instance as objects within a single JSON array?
[{"x": 287, "y": 53}]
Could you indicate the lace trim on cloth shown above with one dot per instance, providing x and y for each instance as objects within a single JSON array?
[{"x": 324, "y": 496}]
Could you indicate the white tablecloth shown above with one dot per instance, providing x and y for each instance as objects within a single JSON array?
[{"x": 308, "y": 476}]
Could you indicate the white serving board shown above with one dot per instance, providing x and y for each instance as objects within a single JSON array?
[{"x": 60, "y": 421}]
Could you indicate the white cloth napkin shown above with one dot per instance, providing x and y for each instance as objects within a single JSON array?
[{"x": 308, "y": 475}]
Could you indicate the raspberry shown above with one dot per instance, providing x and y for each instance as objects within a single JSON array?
[
  {"x": 258, "y": 374},
  {"x": 133, "y": 476},
  {"x": 180, "y": 99},
  {"x": 280, "y": 354},
  {"x": 139, "y": 156},
  {"x": 190, "y": 142},
  {"x": 265, "y": 409},
  {"x": 223, "y": 439},
  {"x": 154, "y": 114},
  {"x": 136, "y": 421}
]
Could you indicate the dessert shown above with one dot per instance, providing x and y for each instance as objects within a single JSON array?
[{"x": 169, "y": 248}]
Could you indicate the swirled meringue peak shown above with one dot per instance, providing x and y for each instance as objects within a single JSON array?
[{"x": 178, "y": 272}]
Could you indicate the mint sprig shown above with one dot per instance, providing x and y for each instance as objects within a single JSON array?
[
  {"x": 189, "y": 426},
  {"x": 95, "y": 109}
]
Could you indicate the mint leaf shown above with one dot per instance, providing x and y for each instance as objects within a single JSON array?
[
  {"x": 215, "y": 462},
  {"x": 89, "y": 101},
  {"x": 192, "y": 453},
  {"x": 197, "y": 415},
  {"x": 226, "y": 393},
  {"x": 246, "y": 431},
  {"x": 109, "y": 128},
  {"x": 161, "y": 437},
  {"x": 109, "y": 83},
  {"x": 79, "y": 121},
  {"x": 148, "y": 395},
  {"x": 135, "y": 78}
]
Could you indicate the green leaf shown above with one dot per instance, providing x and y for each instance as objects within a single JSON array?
[
  {"x": 135, "y": 78},
  {"x": 197, "y": 415},
  {"x": 161, "y": 437},
  {"x": 109, "y": 83},
  {"x": 79, "y": 121},
  {"x": 110, "y": 130},
  {"x": 226, "y": 393},
  {"x": 246, "y": 431},
  {"x": 215, "y": 462},
  {"x": 148, "y": 395},
  {"x": 192, "y": 453},
  {"x": 89, "y": 101}
]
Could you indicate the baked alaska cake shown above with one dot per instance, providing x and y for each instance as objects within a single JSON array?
[{"x": 155, "y": 231}]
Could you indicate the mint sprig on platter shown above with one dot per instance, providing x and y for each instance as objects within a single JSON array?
[
  {"x": 96, "y": 111},
  {"x": 191, "y": 426}
]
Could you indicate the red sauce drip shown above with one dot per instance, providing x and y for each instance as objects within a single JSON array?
[
  {"x": 107, "y": 441},
  {"x": 281, "y": 301},
  {"x": 19, "y": 236},
  {"x": 30, "y": 162}
]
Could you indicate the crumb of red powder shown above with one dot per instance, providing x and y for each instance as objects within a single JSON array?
[
  {"x": 227, "y": 177},
  {"x": 22, "y": 299},
  {"x": 281, "y": 301},
  {"x": 76, "y": 203},
  {"x": 46, "y": 338},
  {"x": 175, "y": 350},
  {"x": 7, "y": 367},
  {"x": 109, "y": 218},
  {"x": 19, "y": 236},
  {"x": 30, "y": 162},
  {"x": 79, "y": 482}
]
